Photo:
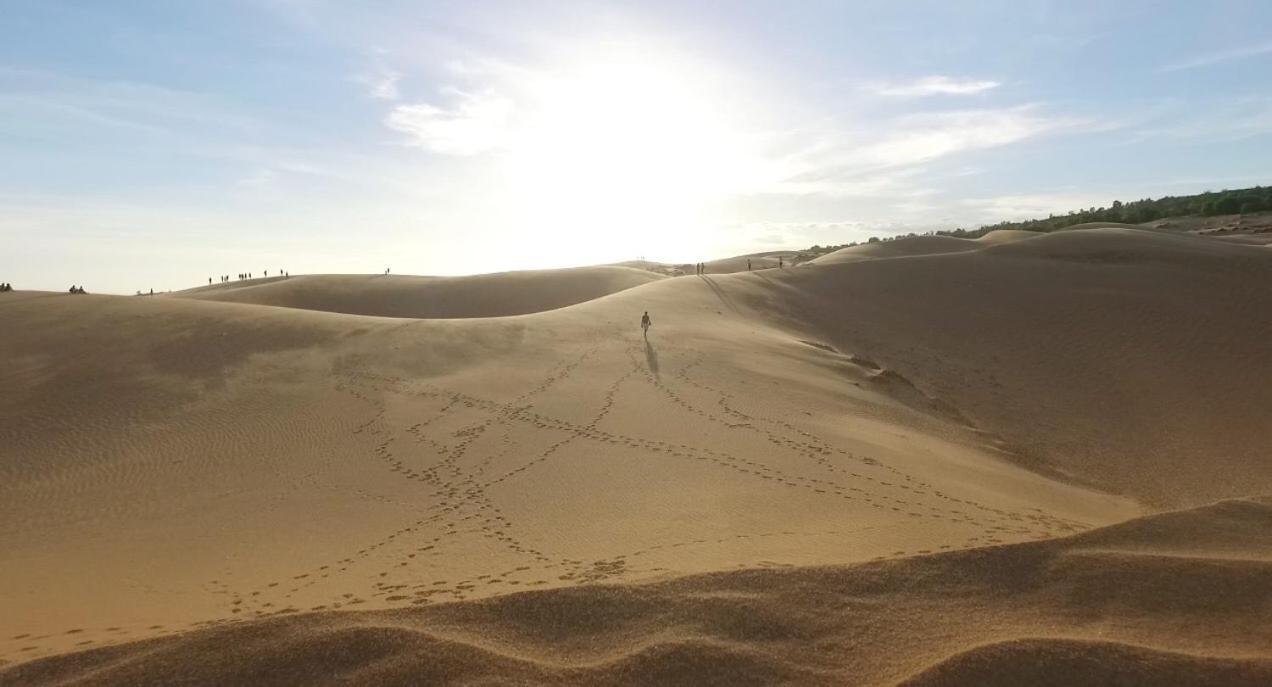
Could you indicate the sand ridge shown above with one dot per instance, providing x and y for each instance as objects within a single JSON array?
[
  {"x": 388, "y": 295},
  {"x": 1036, "y": 613}
]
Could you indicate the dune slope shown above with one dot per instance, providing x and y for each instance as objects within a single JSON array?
[
  {"x": 1131, "y": 359},
  {"x": 484, "y": 295},
  {"x": 171, "y": 464},
  {"x": 1106, "y": 616}
]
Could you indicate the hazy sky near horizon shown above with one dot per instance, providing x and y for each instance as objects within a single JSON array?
[{"x": 154, "y": 144}]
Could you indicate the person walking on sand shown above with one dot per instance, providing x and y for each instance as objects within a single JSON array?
[
  {"x": 645, "y": 323},
  {"x": 748, "y": 264}
]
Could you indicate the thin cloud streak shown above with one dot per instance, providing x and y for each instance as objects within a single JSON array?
[
  {"x": 476, "y": 123},
  {"x": 934, "y": 85},
  {"x": 1219, "y": 57}
]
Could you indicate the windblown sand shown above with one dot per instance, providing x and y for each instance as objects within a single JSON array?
[{"x": 1017, "y": 460}]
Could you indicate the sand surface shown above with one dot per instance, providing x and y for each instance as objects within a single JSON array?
[
  {"x": 391, "y": 295},
  {"x": 945, "y": 466}
]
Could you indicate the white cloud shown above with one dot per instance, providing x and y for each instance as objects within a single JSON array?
[
  {"x": 933, "y": 85},
  {"x": 1221, "y": 56},
  {"x": 921, "y": 138},
  {"x": 882, "y": 157},
  {"x": 383, "y": 85},
  {"x": 1031, "y": 206},
  {"x": 475, "y": 123}
]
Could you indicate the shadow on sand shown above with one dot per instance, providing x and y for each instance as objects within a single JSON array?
[
  {"x": 715, "y": 288},
  {"x": 651, "y": 358}
]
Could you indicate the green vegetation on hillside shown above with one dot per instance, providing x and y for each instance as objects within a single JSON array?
[{"x": 1208, "y": 204}]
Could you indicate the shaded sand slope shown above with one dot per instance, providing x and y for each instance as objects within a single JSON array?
[
  {"x": 917, "y": 245},
  {"x": 1104, "y": 607},
  {"x": 1135, "y": 360},
  {"x": 921, "y": 245},
  {"x": 484, "y": 295}
]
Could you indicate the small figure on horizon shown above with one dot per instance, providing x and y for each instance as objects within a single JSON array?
[
  {"x": 152, "y": 292},
  {"x": 645, "y": 323},
  {"x": 748, "y": 264},
  {"x": 267, "y": 273},
  {"x": 780, "y": 264},
  {"x": 386, "y": 271}
]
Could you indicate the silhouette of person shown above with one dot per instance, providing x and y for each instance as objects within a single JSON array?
[
  {"x": 748, "y": 265},
  {"x": 386, "y": 270},
  {"x": 645, "y": 323},
  {"x": 780, "y": 265}
]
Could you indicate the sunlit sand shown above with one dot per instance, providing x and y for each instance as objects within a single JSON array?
[{"x": 1022, "y": 459}]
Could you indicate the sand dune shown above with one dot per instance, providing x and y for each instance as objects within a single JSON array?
[
  {"x": 908, "y": 247},
  {"x": 1127, "y": 614},
  {"x": 1070, "y": 350},
  {"x": 749, "y": 486},
  {"x": 922, "y": 245},
  {"x": 485, "y": 295}
]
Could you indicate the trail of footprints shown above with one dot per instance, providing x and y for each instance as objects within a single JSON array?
[
  {"x": 991, "y": 520},
  {"x": 457, "y": 503}
]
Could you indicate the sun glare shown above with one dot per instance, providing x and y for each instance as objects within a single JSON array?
[{"x": 627, "y": 155}]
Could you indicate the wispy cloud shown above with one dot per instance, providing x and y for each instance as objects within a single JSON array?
[
  {"x": 1208, "y": 59},
  {"x": 921, "y": 138},
  {"x": 474, "y": 123},
  {"x": 933, "y": 85},
  {"x": 383, "y": 85},
  {"x": 885, "y": 156},
  {"x": 1029, "y": 206},
  {"x": 381, "y": 80},
  {"x": 1219, "y": 120}
]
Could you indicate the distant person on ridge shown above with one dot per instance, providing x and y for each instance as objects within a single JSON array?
[
  {"x": 645, "y": 323},
  {"x": 780, "y": 264},
  {"x": 748, "y": 264}
]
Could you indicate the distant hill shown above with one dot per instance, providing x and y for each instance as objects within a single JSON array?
[{"x": 1208, "y": 204}]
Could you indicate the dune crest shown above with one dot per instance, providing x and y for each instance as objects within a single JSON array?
[{"x": 485, "y": 295}]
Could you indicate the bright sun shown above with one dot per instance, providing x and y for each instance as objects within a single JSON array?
[{"x": 627, "y": 155}]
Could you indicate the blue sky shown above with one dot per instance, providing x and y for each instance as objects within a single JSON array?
[{"x": 153, "y": 144}]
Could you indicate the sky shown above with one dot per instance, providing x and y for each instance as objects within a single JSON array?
[{"x": 157, "y": 144}]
